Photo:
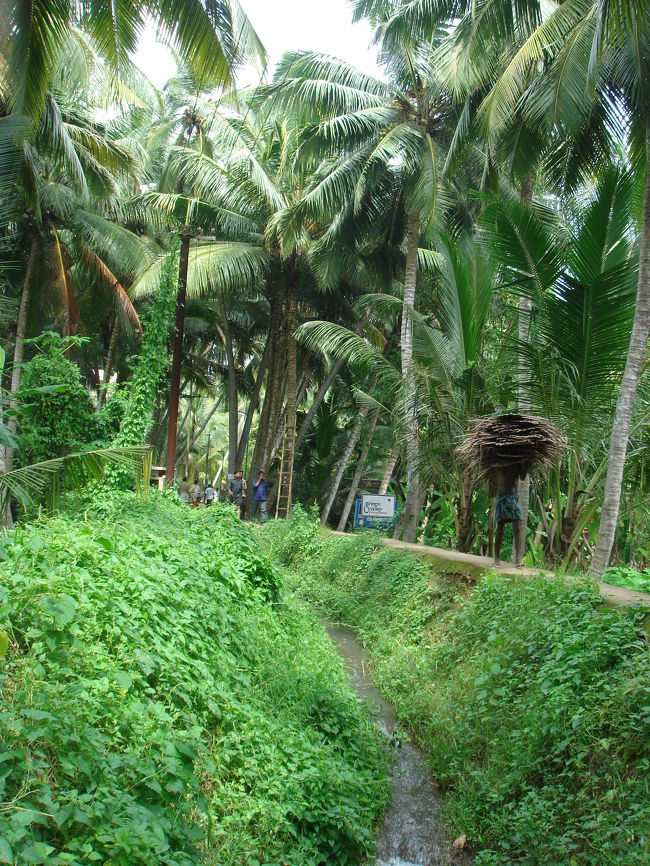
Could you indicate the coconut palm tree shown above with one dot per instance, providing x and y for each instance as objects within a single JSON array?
[
  {"x": 69, "y": 177},
  {"x": 597, "y": 62},
  {"x": 211, "y": 39},
  {"x": 581, "y": 276},
  {"x": 370, "y": 137}
]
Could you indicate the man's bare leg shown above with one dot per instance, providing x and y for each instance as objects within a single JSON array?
[
  {"x": 498, "y": 539},
  {"x": 516, "y": 531}
]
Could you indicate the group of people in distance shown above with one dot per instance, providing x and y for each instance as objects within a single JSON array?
[
  {"x": 508, "y": 505},
  {"x": 236, "y": 490}
]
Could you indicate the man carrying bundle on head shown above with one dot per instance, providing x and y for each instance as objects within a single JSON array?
[
  {"x": 508, "y": 508},
  {"x": 506, "y": 449}
]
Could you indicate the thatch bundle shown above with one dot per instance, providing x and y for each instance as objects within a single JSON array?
[{"x": 507, "y": 440}]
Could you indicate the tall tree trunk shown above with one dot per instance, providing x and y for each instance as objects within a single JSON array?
[
  {"x": 275, "y": 387},
  {"x": 252, "y": 403},
  {"x": 276, "y": 396},
  {"x": 389, "y": 465},
  {"x": 177, "y": 358},
  {"x": 318, "y": 399},
  {"x": 265, "y": 415},
  {"x": 233, "y": 400},
  {"x": 627, "y": 392},
  {"x": 19, "y": 346},
  {"x": 292, "y": 384},
  {"x": 282, "y": 420},
  {"x": 197, "y": 434},
  {"x": 351, "y": 444},
  {"x": 410, "y": 519},
  {"x": 188, "y": 436},
  {"x": 358, "y": 472},
  {"x": 108, "y": 365},
  {"x": 465, "y": 512},
  {"x": 525, "y": 309}
]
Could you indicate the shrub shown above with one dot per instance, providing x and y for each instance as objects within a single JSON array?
[
  {"x": 532, "y": 700},
  {"x": 57, "y": 415},
  {"x": 156, "y": 706}
]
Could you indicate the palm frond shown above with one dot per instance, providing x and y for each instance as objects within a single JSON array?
[
  {"x": 213, "y": 267},
  {"x": 337, "y": 341},
  {"x": 114, "y": 286},
  {"x": 37, "y": 31},
  {"x": 50, "y": 478},
  {"x": 499, "y": 106}
]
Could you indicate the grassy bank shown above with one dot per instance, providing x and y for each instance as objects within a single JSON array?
[
  {"x": 158, "y": 705},
  {"x": 532, "y": 701}
]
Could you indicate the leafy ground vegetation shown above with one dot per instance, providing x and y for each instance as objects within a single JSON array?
[
  {"x": 158, "y": 704},
  {"x": 532, "y": 700}
]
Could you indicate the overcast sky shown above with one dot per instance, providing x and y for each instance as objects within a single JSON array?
[{"x": 283, "y": 25}]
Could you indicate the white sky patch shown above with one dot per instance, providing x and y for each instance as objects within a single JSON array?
[{"x": 282, "y": 25}]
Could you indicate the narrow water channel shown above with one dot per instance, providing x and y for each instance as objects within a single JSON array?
[{"x": 411, "y": 833}]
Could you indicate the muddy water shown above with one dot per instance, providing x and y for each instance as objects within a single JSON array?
[{"x": 411, "y": 834}]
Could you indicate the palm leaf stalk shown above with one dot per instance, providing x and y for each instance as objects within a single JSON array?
[{"x": 49, "y": 479}]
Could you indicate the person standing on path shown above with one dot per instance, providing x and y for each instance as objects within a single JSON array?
[
  {"x": 195, "y": 492},
  {"x": 209, "y": 494},
  {"x": 259, "y": 497},
  {"x": 508, "y": 509},
  {"x": 184, "y": 490},
  {"x": 237, "y": 492}
]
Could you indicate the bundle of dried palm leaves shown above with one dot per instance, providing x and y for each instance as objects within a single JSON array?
[{"x": 494, "y": 443}]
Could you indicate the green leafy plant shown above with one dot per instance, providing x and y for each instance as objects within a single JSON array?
[
  {"x": 156, "y": 705},
  {"x": 531, "y": 699},
  {"x": 151, "y": 362},
  {"x": 55, "y": 411},
  {"x": 627, "y": 576}
]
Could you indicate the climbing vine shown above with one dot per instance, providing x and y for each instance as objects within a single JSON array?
[
  {"x": 55, "y": 411},
  {"x": 151, "y": 363},
  {"x": 149, "y": 370}
]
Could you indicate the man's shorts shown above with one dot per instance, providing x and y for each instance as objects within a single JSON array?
[{"x": 508, "y": 508}]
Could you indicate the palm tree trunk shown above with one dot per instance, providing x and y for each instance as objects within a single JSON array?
[
  {"x": 188, "y": 436},
  {"x": 465, "y": 512},
  {"x": 345, "y": 459},
  {"x": 389, "y": 465},
  {"x": 627, "y": 392},
  {"x": 525, "y": 308},
  {"x": 252, "y": 403},
  {"x": 21, "y": 325},
  {"x": 175, "y": 385},
  {"x": 233, "y": 401},
  {"x": 411, "y": 514},
  {"x": 358, "y": 472},
  {"x": 318, "y": 399},
  {"x": 292, "y": 383},
  {"x": 276, "y": 396},
  {"x": 108, "y": 366},
  {"x": 265, "y": 414}
]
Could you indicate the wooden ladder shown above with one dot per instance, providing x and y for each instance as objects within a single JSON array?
[{"x": 285, "y": 481}]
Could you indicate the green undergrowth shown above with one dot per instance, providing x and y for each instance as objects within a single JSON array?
[
  {"x": 160, "y": 703},
  {"x": 532, "y": 700},
  {"x": 628, "y": 577}
]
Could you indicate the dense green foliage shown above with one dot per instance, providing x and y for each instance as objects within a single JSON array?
[
  {"x": 56, "y": 412},
  {"x": 151, "y": 362},
  {"x": 531, "y": 699},
  {"x": 157, "y": 706}
]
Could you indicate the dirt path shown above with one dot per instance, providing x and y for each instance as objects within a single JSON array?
[{"x": 475, "y": 566}]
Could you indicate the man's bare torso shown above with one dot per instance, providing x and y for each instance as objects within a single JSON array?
[{"x": 508, "y": 479}]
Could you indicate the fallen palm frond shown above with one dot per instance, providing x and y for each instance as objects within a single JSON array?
[
  {"x": 508, "y": 440},
  {"x": 74, "y": 471}
]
